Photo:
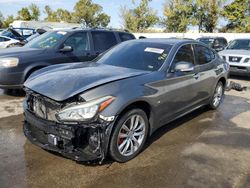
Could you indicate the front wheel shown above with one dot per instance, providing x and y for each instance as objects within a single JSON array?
[
  {"x": 217, "y": 96},
  {"x": 129, "y": 135}
]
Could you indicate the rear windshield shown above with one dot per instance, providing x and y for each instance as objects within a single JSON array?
[
  {"x": 47, "y": 40},
  {"x": 239, "y": 45},
  {"x": 137, "y": 55},
  {"x": 208, "y": 41}
]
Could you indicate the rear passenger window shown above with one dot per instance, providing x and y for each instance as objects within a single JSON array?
[
  {"x": 103, "y": 40},
  {"x": 203, "y": 54},
  {"x": 126, "y": 36}
]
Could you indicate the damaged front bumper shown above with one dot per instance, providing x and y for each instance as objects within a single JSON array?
[{"x": 81, "y": 142}]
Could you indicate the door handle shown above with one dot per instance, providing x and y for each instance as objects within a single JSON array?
[{"x": 196, "y": 76}]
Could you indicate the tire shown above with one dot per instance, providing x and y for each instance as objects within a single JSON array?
[
  {"x": 217, "y": 97},
  {"x": 123, "y": 138}
]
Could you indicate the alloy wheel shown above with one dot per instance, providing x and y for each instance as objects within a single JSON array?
[
  {"x": 218, "y": 95},
  {"x": 131, "y": 135}
]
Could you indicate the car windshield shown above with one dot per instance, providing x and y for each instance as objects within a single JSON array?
[
  {"x": 47, "y": 40},
  {"x": 208, "y": 41},
  {"x": 137, "y": 55},
  {"x": 243, "y": 44}
]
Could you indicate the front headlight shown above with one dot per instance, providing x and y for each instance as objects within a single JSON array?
[
  {"x": 9, "y": 62},
  {"x": 84, "y": 111}
]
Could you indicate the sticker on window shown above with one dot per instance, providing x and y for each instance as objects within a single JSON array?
[
  {"x": 154, "y": 50},
  {"x": 62, "y": 32}
]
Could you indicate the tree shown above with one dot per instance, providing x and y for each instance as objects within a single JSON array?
[
  {"x": 51, "y": 16},
  {"x": 237, "y": 14},
  {"x": 90, "y": 13},
  {"x": 1, "y": 20},
  {"x": 177, "y": 15},
  {"x": 35, "y": 11},
  {"x": 140, "y": 17},
  {"x": 8, "y": 21},
  {"x": 24, "y": 14},
  {"x": 58, "y": 15},
  {"x": 206, "y": 14},
  {"x": 63, "y": 15}
]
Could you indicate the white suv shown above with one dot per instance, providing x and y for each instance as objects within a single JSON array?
[{"x": 237, "y": 54}]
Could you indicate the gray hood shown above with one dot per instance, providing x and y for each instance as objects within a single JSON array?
[{"x": 61, "y": 82}]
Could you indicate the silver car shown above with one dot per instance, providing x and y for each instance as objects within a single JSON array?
[{"x": 237, "y": 54}]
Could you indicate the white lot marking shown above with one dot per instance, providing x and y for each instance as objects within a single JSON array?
[{"x": 10, "y": 107}]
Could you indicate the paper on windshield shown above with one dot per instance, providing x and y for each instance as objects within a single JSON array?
[
  {"x": 62, "y": 32},
  {"x": 154, "y": 50}
]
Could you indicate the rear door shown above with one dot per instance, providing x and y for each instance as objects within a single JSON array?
[
  {"x": 102, "y": 41},
  {"x": 206, "y": 60}
]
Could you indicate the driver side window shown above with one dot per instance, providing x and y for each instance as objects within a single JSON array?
[
  {"x": 78, "y": 41},
  {"x": 184, "y": 54}
]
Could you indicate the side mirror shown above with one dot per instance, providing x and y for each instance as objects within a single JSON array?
[
  {"x": 218, "y": 48},
  {"x": 66, "y": 49},
  {"x": 184, "y": 66}
]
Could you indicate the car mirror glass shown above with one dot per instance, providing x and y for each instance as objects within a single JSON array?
[
  {"x": 66, "y": 49},
  {"x": 184, "y": 66}
]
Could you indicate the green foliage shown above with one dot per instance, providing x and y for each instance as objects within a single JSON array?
[
  {"x": 91, "y": 14},
  {"x": 1, "y": 20},
  {"x": 35, "y": 12},
  {"x": 58, "y": 15},
  {"x": 139, "y": 18},
  {"x": 206, "y": 14},
  {"x": 29, "y": 13},
  {"x": 238, "y": 15},
  {"x": 24, "y": 14},
  {"x": 177, "y": 15},
  {"x": 8, "y": 21}
]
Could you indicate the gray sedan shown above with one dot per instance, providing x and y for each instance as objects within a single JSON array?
[{"x": 112, "y": 105}]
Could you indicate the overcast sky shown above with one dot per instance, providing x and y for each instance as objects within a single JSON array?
[{"x": 111, "y": 7}]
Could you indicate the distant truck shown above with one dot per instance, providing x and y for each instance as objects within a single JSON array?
[{"x": 43, "y": 24}]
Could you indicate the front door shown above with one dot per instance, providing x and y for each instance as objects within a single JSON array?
[
  {"x": 180, "y": 88},
  {"x": 80, "y": 44}
]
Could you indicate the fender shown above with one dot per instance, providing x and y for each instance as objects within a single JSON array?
[{"x": 34, "y": 66}]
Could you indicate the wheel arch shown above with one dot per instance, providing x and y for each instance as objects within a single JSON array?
[
  {"x": 33, "y": 68},
  {"x": 143, "y": 105}
]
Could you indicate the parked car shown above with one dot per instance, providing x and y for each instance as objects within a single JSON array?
[
  {"x": 110, "y": 106},
  {"x": 55, "y": 47},
  {"x": 237, "y": 54},
  {"x": 12, "y": 33},
  {"x": 25, "y": 32},
  {"x": 217, "y": 43},
  {"x": 6, "y": 42}
]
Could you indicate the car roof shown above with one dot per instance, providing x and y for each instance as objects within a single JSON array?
[
  {"x": 170, "y": 41},
  {"x": 91, "y": 29},
  {"x": 211, "y": 38}
]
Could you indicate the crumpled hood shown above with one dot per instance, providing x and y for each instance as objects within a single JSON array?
[
  {"x": 19, "y": 51},
  {"x": 61, "y": 82},
  {"x": 235, "y": 52}
]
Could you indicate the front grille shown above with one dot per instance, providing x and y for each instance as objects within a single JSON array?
[{"x": 235, "y": 59}]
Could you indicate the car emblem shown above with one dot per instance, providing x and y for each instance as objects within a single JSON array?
[{"x": 234, "y": 59}]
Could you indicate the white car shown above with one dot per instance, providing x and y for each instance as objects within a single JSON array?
[
  {"x": 6, "y": 42},
  {"x": 237, "y": 54}
]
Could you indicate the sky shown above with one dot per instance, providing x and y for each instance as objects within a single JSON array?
[{"x": 110, "y": 7}]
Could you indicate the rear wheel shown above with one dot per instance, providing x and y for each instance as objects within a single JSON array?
[
  {"x": 217, "y": 96},
  {"x": 129, "y": 135}
]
